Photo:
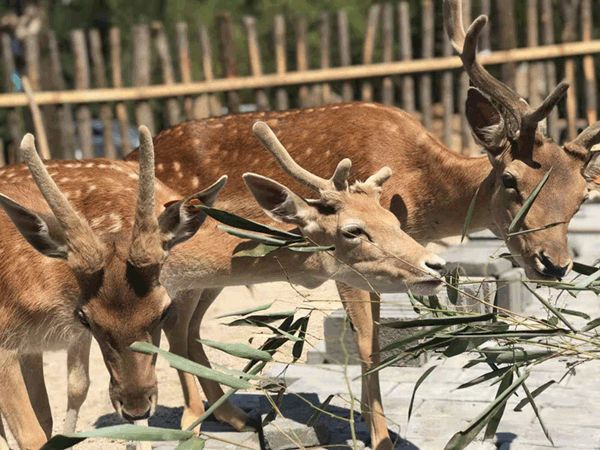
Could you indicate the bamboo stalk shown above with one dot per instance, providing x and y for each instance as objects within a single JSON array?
[
  {"x": 325, "y": 45},
  {"x": 168, "y": 74},
  {"x": 387, "y": 88},
  {"x": 407, "y": 82},
  {"x": 281, "y": 97},
  {"x": 589, "y": 71},
  {"x": 14, "y": 119},
  {"x": 569, "y": 8},
  {"x": 82, "y": 82},
  {"x": 345, "y": 58},
  {"x": 185, "y": 64},
  {"x": 214, "y": 103},
  {"x": 427, "y": 31},
  {"x": 141, "y": 73},
  {"x": 547, "y": 19},
  {"x": 466, "y": 139},
  {"x": 302, "y": 60},
  {"x": 38, "y": 123},
  {"x": 227, "y": 53},
  {"x": 262, "y": 101},
  {"x": 117, "y": 82},
  {"x": 369, "y": 48}
]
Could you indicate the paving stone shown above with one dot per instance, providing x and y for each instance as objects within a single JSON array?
[
  {"x": 283, "y": 434},
  {"x": 510, "y": 292},
  {"x": 475, "y": 258}
]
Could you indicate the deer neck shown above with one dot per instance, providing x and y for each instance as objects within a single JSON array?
[
  {"x": 444, "y": 184},
  {"x": 197, "y": 264}
]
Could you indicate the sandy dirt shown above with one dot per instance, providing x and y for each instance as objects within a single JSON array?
[{"x": 97, "y": 410}]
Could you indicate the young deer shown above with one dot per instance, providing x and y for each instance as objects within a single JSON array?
[
  {"x": 432, "y": 187},
  {"x": 84, "y": 261}
]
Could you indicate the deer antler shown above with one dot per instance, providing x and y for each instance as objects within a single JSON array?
[
  {"x": 517, "y": 113},
  {"x": 146, "y": 246},
  {"x": 86, "y": 251},
  {"x": 338, "y": 181}
]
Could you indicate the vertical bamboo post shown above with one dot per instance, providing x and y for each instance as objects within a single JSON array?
[
  {"x": 168, "y": 74},
  {"x": 448, "y": 97},
  {"x": 369, "y": 48},
  {"x": 569, "y": 8},
  {"x": 302, "y": 60},
  {"x": 345, "y": 58},
  {"x": 425, "y": 98},
  {"x": 82, "y": 81},
  {"x": 64, "y": 112},
  {"x": 325, "y": 44},
  {"x": 387, "y": 88},
  {"x": 535, "y": 85},
  {"x": 466, "y": 139},
  {"x": 589, "y": 71},
  {"x": 505, "y": 14},
  {"x": 117, "y": 81},
  {"x": 185, "y": 65},
  {"x": 227, "y": 53},
  {"x": 2, "y": 164},
  {"x": 547, "y": 18},
  {"x": 142, "y": 61},
  {"x": 404, "y": 38},
  {"x": 281, "y": 97},
  {"x": 99, "y": 72},
  {"x": 214, "y": 103},
  {"x": 14, "y": 117},
  {"x": 484, "y": 37},
  {"x": 262, "y": 101},
  {"x": 38, "y": 122}
]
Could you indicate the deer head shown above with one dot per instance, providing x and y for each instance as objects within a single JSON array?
[
  {"x": 371, "y": 252},
  {"x": 521, "y": 155},
  {"x": 120, "y": 298}
]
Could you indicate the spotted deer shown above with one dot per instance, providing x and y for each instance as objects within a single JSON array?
[
  {"x": 432, "y": 186},
  {"x": 79, "y": 259}
]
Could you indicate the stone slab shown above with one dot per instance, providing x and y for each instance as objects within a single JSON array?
[
  {"x": 286, "y": 434},
  {"x": 510, "y": 292},
  {"x": 476, "y": 259}
]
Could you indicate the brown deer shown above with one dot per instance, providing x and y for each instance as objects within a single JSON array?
[
  {"x": 432, "y": 187},
  {"x": 85, "y": 261}
]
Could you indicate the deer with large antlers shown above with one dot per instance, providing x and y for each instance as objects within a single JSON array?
[
  {"x": 84, "y": 261},
  {"x": 432, "y": 187}
]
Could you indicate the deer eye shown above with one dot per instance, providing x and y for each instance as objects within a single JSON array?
[
  {"x": 353, "y": 232},
  {"x": 509, "y": 181},
  {"x": 82, "y": 317}
]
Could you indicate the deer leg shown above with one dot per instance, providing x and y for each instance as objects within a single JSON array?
[
  {"x": 363, "y": 310},
  {"x": 32, "y": 369},
  {"x": 16, "y": 406},
  {"x": 228, "y": 412},
  {"x": 78, "y": 379},
  {"x": 176, "y": 330},
  {"x": 3, "y": 443}
]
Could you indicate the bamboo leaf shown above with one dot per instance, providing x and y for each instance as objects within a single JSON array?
[
  {"x": 414, "y": 392},
  {"x": 537, "y": 391},
  {"x": 469, "y": 216},
  {"x": 591, "y": 324},
  {"x": 485, "y": 377},
  {"x": 299, "y": 346},
  {"x": 239, "y": 350},
  {"x": 533, "y": 230},
  {"x": 254, "y": 236},
  {"x": 531, "y": 400},
  {"x": 583, "y": 269},
  {"x": 245, "y": 312},
  {"x": 588, "y": 280},
  {"x": 181, "y": 363},
  {"x": 257, "y": 251},
  {"x": 236, "y": 221},
  {"x": 452, "y": 287},
  {"x": 492, "y": 426},
  {"x": 555, "y": 311},
  {"x": 310, "y": 248},
  {"x": 194, "y": 443},
  {"x": 125, "y": 432},
  {"x": 513, "y": 356},
  {"x": 520, "y": 216},
  {"x": 464, "y": 437},
  {"x": 453, "y": 320},
  {"x": 258, "y": 319},
  {"x": 413, "y": 337},
  {"x": 572, "y": 312}
]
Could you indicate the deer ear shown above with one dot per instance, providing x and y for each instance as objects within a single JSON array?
[
  {"x": 485, "y": 121},
  {"x": 279, "y": 202},
  {"x": 181, "y": 219},
  {"x": 34, "y": 229}
]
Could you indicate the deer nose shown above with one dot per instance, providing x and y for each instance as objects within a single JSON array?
[
  {"x": 137, "y": 411},
  {"x": 435, "y": 263},
  {"x": 552, "y": 269}
]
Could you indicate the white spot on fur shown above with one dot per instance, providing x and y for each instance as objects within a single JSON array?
[
  {"x": 195, "y": 182},
  {"x": 176, "y": 166}
]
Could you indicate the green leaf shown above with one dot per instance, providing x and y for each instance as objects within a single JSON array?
[
  {"x": 254, "y": 237},
  {"x": 583, "y": 269},
  {"x": 413, "y": 337},
  {"x": 235, "y": 221},
  {"x": 469, "y": 216},
  {"x": 125, "y": 432},
  {"x": 513, "y": 356},
  {"x": 181, "y": 363},
  {"x": 453, "y": 320},
  {"x": 310, "y": 248},
  {"x": 572, "y": 312},
  {"x": 512, "y": 334},
  {"x": 550, "y": 307},
  {"x": 588, "y": 280},
  {"x": 256, "y": 320},
  {"x": 299, "y": 346},
  {"x": 245, "y": 312},
  {"x": 485, "y": 377},
  {"x": 414, "y": 392},
  {"x": 520, "y": 216},
  {"x": 537, "y": 391},
  {"x": 464, "y": 437},
  {"x": 257, "y": 251},
  {"x": 591, "y": 324},
  {"x": 533, "y": 230},
  {"x": 492, "y": 426},
  {"x": 452, "y": 288},
  {"x": 194, "y": 443},
  {"x": 531, "y": 400},
  {"x": 239, "y": 350}
]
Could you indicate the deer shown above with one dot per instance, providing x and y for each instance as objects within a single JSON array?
[
  {"x": 432, "y": 187},
  {"x": 79, "y": 260}
]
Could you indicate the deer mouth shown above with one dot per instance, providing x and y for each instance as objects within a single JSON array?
[{"x": 427, "y": 286}]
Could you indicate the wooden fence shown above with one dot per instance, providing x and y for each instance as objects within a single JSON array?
[{"x": 80, "y": 117}]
